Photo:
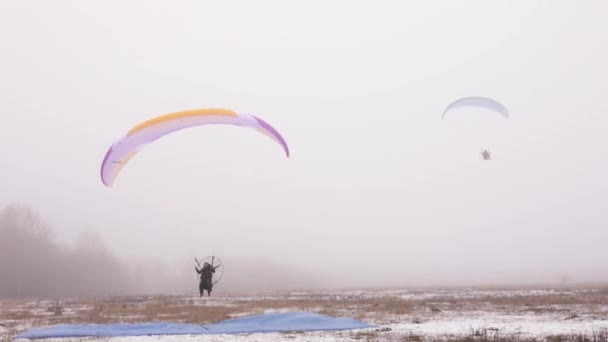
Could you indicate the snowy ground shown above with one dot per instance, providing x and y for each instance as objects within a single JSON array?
[{"x": 401, "y": 314}]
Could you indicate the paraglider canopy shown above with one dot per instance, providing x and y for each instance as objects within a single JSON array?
[
  {"x": 477, "y": 101},
  {"x": 482, "y": 132},
  {"x": 119, "y": 154}
]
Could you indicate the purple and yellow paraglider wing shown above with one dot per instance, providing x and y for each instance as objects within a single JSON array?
[{"x": 119, "y": 154}]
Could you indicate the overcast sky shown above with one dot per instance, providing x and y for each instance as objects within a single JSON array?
[{"x": 376, "y": 181}]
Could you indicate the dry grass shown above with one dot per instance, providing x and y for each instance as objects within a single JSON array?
[{"x": 479, "y": 336}]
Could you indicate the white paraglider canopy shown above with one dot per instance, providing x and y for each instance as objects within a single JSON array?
[
  {"x": 484, "y": 128},
  {"x": 476, "y": 101}
]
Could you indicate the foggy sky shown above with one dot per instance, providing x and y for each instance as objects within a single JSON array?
[{"x": 377, "y": 191}]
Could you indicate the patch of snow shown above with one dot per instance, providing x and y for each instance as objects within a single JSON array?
[{"x": 503, "y": 325}]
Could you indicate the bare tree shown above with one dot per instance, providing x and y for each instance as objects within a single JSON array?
[{"x": 32, "y": 264}]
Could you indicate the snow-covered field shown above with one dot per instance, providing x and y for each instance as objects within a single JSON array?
[{"x": 401, "y": 314}]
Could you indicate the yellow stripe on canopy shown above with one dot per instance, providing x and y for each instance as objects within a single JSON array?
[{"x": 181, "y": 115}]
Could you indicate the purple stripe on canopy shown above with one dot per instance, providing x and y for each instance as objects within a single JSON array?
[{"x": 271, "y": 129}]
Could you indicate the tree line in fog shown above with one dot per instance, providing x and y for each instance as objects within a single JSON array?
[{"x": 33, "y": 263}]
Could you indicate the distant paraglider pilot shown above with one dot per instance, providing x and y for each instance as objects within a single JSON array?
[
  {"x": 206, "y": 273},
  {"x": 486, "y": 155}
]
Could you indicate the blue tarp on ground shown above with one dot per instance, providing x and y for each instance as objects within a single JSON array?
[
  {"x": 274, "y": 322},
  {"x": 111, "y": 330},
  {"x": 289, "y": 321}
]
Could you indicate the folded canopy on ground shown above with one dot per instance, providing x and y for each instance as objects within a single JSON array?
[{"x": 273, "y": 322}]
